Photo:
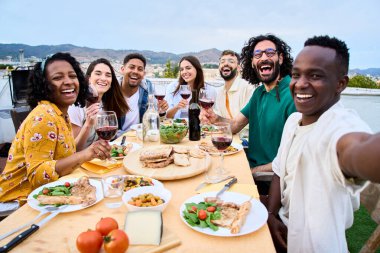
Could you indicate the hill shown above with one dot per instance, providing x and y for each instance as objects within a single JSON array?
[{"x": 86, "y": 53}]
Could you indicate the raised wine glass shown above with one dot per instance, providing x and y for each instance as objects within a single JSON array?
[
  {"x": 92, "y": 96},
  {"x": 221, "y": 138},
  {"x": 206, "y": 100},
  {"x": 159, "y": 94},
  {"x": 185, "y": 92},
  {"x": 106, "y": 126}
]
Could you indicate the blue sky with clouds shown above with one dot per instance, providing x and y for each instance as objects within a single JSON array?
[{"x": 181, "y": 26}]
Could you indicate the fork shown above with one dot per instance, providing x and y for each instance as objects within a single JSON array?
[{"x": 47, "y": 209}]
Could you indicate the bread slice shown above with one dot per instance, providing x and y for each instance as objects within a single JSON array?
[
  {"x": 181, "y": 160},
  {"x": 156, "y": 153}
]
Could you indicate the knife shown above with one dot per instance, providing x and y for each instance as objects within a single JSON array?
[
  {"x": 123, "y": 140},
  {"x": 21, "y": 237},
  {"x": 227, "y": 186},
  {"x": 203, "y": 184}
]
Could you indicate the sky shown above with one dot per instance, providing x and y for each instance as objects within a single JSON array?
[{"x": 183, "y": 26}]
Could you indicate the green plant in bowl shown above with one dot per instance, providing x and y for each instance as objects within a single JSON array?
[{"x": 173, "y": 133}]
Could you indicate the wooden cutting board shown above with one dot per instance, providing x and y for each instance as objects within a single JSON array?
[{"x": 133, "y": 165}]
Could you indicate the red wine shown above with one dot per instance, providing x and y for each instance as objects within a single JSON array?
[
  {"x": 92, "y": 100},
  {"x": 221, "y": 143},
  {"x": 205, "y": 103},
  {"x": 159, "y": 97},
  {"x": 106, "y": 133},
  {"x": 185, "y": 95},
  {"x": 162, "y": 114}
]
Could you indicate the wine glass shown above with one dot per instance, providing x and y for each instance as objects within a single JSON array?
[
  {"x": 206, "y": 100},
  {"x": 221, "y": 138},
  {"x": 185, "y": 92},
  {"x": 159, "y": 94},
  {"x": 106, "y": 126},
  {"x": 92, "y": 96}
]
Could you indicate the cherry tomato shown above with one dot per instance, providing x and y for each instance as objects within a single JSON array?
[
  {"x": 106, "y": 225},
  {"x": 89, "y": 241},
  {"x": 202, "y": 215},
  {"x": 211, "y": 209},
  {"x": 67, "y": 184},
  {"x": 45, "y": 191},
  {"x": 121, "y": 155},
  {"x": 193, "y": 209},
  {"x": 116, "y": 241}
]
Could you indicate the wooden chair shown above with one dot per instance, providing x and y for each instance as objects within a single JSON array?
[
  {"x": 370, "y": 199},
  {"x": 18, "y": 115}
]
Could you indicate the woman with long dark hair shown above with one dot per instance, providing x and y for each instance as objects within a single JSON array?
[
  {"x": 101, "y": 75},
  {"x": 191, "y": 73}
]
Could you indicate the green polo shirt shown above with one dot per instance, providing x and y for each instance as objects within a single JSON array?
[{"x": 267, "y": 118}]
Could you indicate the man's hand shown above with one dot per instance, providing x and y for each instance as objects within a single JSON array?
[
  {"x": 279, "y": 233},
  {"x": 208, "y": 116}
]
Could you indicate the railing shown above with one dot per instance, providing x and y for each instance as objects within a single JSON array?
[{"x": 166, "y": 81}]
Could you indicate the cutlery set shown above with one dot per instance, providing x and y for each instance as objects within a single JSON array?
[{"x": 54, "y": 211}]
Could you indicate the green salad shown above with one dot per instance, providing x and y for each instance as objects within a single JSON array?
[
  {"x": 173, "y": 133},
  {"x": 201, "y": 214}
]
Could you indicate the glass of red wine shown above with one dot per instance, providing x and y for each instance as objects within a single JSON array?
[
  {"x": 221, "y": 138},
  {"x": 92, "y": 95},
  {"x": 206, "y": 100},
  {"x": 106, "y": 126},
  {"x": 159, "y": 94},
  {"x": 185, "y": 92}
]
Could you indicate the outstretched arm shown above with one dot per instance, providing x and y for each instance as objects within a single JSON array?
[{"x": 359, "y": 155}]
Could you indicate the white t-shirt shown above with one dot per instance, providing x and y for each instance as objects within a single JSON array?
[
  {"x": 300, "y": 137},
  {"x": 321, "y": 199},
  {"x": 78, "y": 117},
  {"x": 133, "y": 116}
]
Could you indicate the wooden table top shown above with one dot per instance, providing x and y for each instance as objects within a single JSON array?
[{"x": 59, "y": 234}]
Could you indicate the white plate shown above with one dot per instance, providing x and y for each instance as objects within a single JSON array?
[
  {"x": 135, "y": 146},
  {"x": 256, "y": 218},
  {"x": 70, "y": 208},
  {"x": 238, "y": 146},
  {"x": 155, "y": 182}
]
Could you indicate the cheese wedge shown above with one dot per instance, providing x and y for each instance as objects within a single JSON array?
[{"x": 144, "y": 227}]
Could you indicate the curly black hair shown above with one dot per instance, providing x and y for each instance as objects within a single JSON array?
[
  {"x": 113, "y": 99},
  {"x": 340, "y": 47},
  {"x": 247, "y": 52},
  {"x": 38, "y": 83}
]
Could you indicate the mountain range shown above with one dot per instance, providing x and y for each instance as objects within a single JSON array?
[
  {"x": 205, "y": 56},
  {"x": 88, "y": 54}
]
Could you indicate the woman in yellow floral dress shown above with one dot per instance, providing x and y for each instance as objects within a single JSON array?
[{"x": 44, "y": 147}]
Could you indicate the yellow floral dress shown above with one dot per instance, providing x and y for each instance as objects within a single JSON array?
[{"x": 44, "y": 137}]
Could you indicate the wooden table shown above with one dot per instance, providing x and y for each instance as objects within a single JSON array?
[{"x": 59, "y": 234}]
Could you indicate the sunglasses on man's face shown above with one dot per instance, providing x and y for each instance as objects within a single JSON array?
[{"x": 270, "y": 52}]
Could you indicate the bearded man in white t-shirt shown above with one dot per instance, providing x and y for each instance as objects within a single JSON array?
[
  {"x": 327, "y": 154},
  {"x": 135, "y": 90}
]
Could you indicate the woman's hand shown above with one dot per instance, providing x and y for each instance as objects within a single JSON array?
[
  {"x": 91, "y": 112},
  {"x": 182, "y": 104},
  {"x": 162, "y": 106},
  {"x": 99, "y": 149},
  {"x": 208, "y": 116}
]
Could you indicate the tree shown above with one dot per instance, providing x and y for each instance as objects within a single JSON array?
[
  {"x": 362, "y": 82},
  {"x": 170, "y": 72}
]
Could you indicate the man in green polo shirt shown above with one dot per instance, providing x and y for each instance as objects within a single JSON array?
[{"x": 266, "y": 59}]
